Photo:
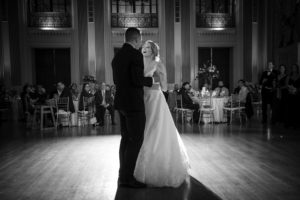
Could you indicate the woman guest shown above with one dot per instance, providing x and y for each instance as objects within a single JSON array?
[
  {"x": 85, "y": 93},
  {"x": 281, "y": 95},
  {"x": 293, "y": 97},
  {"x": 74, "y": 91}
]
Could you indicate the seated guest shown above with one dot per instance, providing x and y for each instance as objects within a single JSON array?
[
  {"x": 74, "y": 91},
  {"x": 176, "y": 88},
  {"x": 104, "y": 100},
  {"x": 243, "y": 91},
  {"x": 85, "y": 92},
  {"x": 33, "y": 93},
  {"x": 28, "y": 105},
  {"x": 187, "y": 101},
  {"x": 205, "y": 90},
  {"x": 41, "y": 95},
  {"x": 221, "y": 90},
  {"x": 62, "y": 91},
  {"x": 92, "y": 85}
]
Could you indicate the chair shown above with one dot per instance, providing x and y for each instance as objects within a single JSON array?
[
  {"x": 172, "y": 101},
  {"x": 4, "y": 108},
  {"x": 63, "y": 113},
  {"x": 44, "y": 111},
  {"x": 87, "y": 113},
  {"x": 234, "y": 106},
  {"x": 206, "y": 110},
  {"x": 257, "y": 104},
  {"x": 183, "y": 111}
]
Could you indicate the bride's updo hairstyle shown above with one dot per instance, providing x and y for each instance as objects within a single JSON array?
[{"x": 154, "y": 49}]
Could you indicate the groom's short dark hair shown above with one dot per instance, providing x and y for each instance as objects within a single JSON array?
[{"x": 132, "y": 34}]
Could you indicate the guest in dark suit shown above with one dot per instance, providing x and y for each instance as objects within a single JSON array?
[
  {"x": 62, "y": 91},
  {"x": 187, "y": 102},
  {"x": 268, "y": 83},
  {"x": 128, "y": 76},
  {"x": 104, "y": 100}
]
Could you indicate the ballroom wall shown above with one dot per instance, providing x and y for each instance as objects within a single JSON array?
[{"x": 92, "y": 44}]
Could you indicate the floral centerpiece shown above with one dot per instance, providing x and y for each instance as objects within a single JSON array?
[{"x": 208, "y": 71}]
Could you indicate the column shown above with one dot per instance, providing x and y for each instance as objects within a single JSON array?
[
  {"x": 99, "y": 40},
  {"x": 169, "y": 24},
  {"x": 185, "y": 40},
  {"x": 83, "y": 37}
]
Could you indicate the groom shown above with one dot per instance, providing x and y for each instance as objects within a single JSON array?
[{"x": 128, "y": 76}]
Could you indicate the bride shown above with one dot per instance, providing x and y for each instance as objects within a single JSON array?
[{"x": 162, "y": 160}]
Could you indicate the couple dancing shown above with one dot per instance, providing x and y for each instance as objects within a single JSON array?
[{"x": 151, "y": 150}]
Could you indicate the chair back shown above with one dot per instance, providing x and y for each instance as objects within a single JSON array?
[
  {"x": 52, "y": 102},
  {"x": 63, "y": 104},
  {"x": 87, "y": 102},
  {"x": 179, "y": 101},
  {"x": 234, "y": 101},
  {"x": 205, "y": 102}
]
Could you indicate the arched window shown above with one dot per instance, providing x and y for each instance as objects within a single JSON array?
[
  {"x": 215, "y": 13},
  {"x": 134, "y": 13}
]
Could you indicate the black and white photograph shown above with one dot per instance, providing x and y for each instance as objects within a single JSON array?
[{"x": 149, "y": 99}]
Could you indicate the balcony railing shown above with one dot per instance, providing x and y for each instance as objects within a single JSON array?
[
  {"x": 124, "y": 20},
  {"x": 50, "y": 20},
  {"x": 215, "y": 20}
]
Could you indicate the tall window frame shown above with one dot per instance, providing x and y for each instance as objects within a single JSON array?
[
  {"x": 215, "y": 13},
  {"x": 134, "y": 13},
  {"x": 49, "y": 13}
]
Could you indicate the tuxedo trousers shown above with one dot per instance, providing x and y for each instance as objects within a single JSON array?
[{"x": 132, "y": 136}]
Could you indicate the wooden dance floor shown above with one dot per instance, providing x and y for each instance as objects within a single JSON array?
[{"x": 248, "y": 162}]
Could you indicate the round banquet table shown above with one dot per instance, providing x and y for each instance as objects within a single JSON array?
[{"x": 218, "y": 105}]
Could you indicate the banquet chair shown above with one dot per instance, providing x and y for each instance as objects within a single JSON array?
[
  {"x": 256, "y": 102},
  {"x": 234, "y": 106},
  {"x": 85, "y": 115},
  {"x": 183, "y": 111},
  {"x": 41, "y": 114},
  {"x": 63, "y": 114},
  {"x": 4, "y": 109},
  {"x": 206, "y": 110},
  {"x": 172, "y": 101}
]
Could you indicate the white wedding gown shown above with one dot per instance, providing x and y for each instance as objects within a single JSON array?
[{"x": 162, "y": 160}]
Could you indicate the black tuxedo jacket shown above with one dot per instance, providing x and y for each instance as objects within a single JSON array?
[
  {"x": 186, "y": 99},
  {"x": 270, "y": 80},
  {"x": 99, "y": 98},
  {"x": 128, "y": 76}
]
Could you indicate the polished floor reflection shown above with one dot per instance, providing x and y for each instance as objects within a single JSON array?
[{"x": 248, "y": 162}]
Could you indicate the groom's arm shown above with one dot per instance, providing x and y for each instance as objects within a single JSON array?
[{"x": 137, "y": 72}]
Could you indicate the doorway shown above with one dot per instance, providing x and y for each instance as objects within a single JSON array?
[
  {"x": 52, "y": 66},
  {"x": 221, "y": 58}
]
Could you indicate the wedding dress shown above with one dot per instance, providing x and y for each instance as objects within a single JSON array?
[{"x": 162, "y": 160}]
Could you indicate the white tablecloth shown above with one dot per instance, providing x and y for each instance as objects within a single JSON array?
[{"x": 218, "y": 105}]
